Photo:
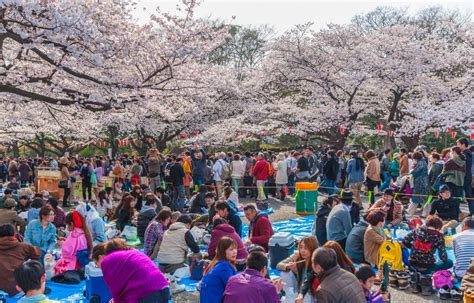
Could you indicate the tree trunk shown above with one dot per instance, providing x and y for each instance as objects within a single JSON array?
[{"x": 411, "y": 142}]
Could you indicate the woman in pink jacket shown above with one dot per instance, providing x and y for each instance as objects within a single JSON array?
[
  {"x": 221, "y": 229},
  {"x": 78, "y": 240}
]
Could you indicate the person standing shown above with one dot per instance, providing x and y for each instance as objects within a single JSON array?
[
  {"x": 404, "y": 163},
  {"x": 455, "y": 169},
  {"x": 86, "y": 181},
  {"x": 238, "y": 170},
  {"x": 395, "y": 167},
  {"x": 25, "y": 172},
  {"x": 420, "y": 184},
  {"x": 463, "y": 144},
  {"x": 260, "y": 171},
  {"x": 302, "y": 169},
  {"x": 355, "y": 176},
  {"x": 218, "y": 169},
  {"x": 330, "y": 171},
  {"x": 198, "y": 163},
  {"x": 292, "y": 167},
  {"x": 154, "y": 161},
  {"x": 372, "y": 174},
  {"x": 66, "y": 178},
  {"x": 385, "y": 170},
  {"x": 281, "y": 176},
  {"x": 435, "y": 168},
  {"x": 176, "y": 175}
]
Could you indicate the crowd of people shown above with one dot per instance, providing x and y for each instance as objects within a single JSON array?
[{"x": 186, "y": 207}]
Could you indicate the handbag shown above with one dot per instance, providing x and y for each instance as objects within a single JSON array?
[
  {"x": 93, "y": 178},
  {"x": 83, "y": 257},
  {"x": 63, "y": 183}
]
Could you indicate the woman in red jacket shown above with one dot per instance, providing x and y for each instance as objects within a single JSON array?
[{"x": 260, "y": 171}]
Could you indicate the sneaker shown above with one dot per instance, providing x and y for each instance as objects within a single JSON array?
[
  {"x": 444, "y": 293},
  {"x": 415, "y": 282},
  {"x": 175, "y": 288},
  {"x": 403, "y": 278},
  {"x": 393, "y": 278},
  {"x": 456, "y": 294}
]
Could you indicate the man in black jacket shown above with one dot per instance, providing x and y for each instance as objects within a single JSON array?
[
  {"x": 147, "y": 213},
  {"x": 446, "y": 208},
  {"x": 176, "y": 178},
  {"x": 330, "y": 170}
]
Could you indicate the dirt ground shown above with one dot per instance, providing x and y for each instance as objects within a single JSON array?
[{"x": 284, "y": 211}]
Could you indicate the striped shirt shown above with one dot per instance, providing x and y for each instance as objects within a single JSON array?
[{"x": 463, "y": 245}]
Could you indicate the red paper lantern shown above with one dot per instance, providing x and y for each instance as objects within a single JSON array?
[
  {"x": 472, "y": 136},
  {"x": 185, "y": 136},
  {"x": 448, "y": 130},
  {"x": 178, "y": 137},
  {"x": 436, "y": 134},
  {"x": 454, "y": 134},
  {"x": 390, "y": 133},
  {"x": 379, "y": 127},
  {"x": 341, "y": 130}
]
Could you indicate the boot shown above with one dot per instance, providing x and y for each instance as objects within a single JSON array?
[
  {"x": 415, "y": 282},
  {"x": 403, "y": 280},
  {"x": 393, "y": 278},
  {"x": 426, "y": 285}
]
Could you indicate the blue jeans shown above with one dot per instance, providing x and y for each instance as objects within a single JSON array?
[
  {"x": 179, "y": 197},
  {"x": 386, "y": 181},
  {"x": 291, "y": 184},
  {"x": 236, "y": 182},
  {"x": 161, "y": 296},
  {"x": 331, "y": 186},
  {"x": 198, "y": 180}
]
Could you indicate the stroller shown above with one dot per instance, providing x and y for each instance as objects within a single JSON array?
[{"x": 403, "y": 188}]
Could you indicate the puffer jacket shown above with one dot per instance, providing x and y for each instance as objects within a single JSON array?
[
  {"x": 226, "y": 230},
  {"x": 457, "y": 169},
  {"x": 320, "y": 224}
]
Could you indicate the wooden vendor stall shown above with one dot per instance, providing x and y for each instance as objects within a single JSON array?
[{"x": 48, "y": 179}]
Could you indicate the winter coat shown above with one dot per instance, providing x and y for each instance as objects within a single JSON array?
[
  {"x": 372, "y": 171},
  {"x": 145, "y": 216},
  {"x": 355, "y": 242},
  {"x": 354, "y": 175},
  {"x": 385, "y": 165},
  {"x": 12, "y": 254},
  {"x": 330, "y": 169},
  {"x": 238, "y": 169},
  {"x": 24, "y": 171},
  {"x": 250, "y": 286},
  {"x": 457, "y": 169},
  {"x": 199, "y": 165},
  {"x": 447, "y": 210},
  {"x": 9, "y": 216},
  {"x": 372, "y": 241},
  {"x": 420, "y": 182},
  {"x": 74, "y": 242},
  {"x": 214, "y": 282},
  {"x": 154, "y": 167},
  {"x": 424, "y": 242},
  {"x": 321, "y": 219},
  {"x": 338, "y": 223},
  {"x": 140, "y": 279},
  {"x": 338, "y": 285},
  {"x": 394, "y": 168},
  {"x": 260, "y": 230},
  {"x": 404, "y": 169},
  {"x": 434, "y": 171},
  {"x": 260, "y": 170},
  {"x": 396, "y": 213},
  {"x": 226, "y": 230}
]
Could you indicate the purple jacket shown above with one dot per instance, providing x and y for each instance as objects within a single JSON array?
[
  {"x": 250, "y": 287},
  {"x": 131, "y": 276},
  {"x": 226, "y": 230}
]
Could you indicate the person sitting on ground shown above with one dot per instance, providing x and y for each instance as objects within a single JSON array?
[
  {"x": 354, "y": 208},
  {"x": 339, "y": 222},
  {"x": 176, "y": 242},
  {"x": 30, "y": 278},
  {"x": 463, "y": 246},
  {"x": 42, "y": 232},
  {"x": 13, "y": 185},
  {"x": 125, "y": 212},
  {"x": 163, "y": 196},
  {"x": 337, "y": 284},
  {"x": 355, "y": 241},
  {"x": 374, "y": 237},
  {"x": 231, "y": 197},
  {"x": 146, "y": 215},
  {"x": 142, "y": 282},
  {"x": 104, "y": 203},
  {"x": 251, "y": 286},
  {"x": 155, "y": 231},
  {"x": 222, "y": 229},
  {"x": 366, "y": 276},
  {"x": 8, "y": 193},
  {"x": 94, "y": 222},
  {"x": 260, "y": 227},
  {"x": 319, "y": 225},
  {"x": 33, "y": 212},
  {"x": 59, "y": 214},
  {"x": 224, "y": 211},
  {"x": 342, "y": 259},
  {"x": 446, "y": 208},
  {"x": 211, "y": 207},
  {"x": 23, "y": 206},
  {"x": 424, "y": 242},
  {"x": 8, "y": 215},
  {"x": 297, "y": 268},
  {"x": 392, "y": 209},
  {"x": 79, "y": 239},
  {"x": 12, "y": 254},
  {"x": 218, "y": 272},
  {"x": 198, "y": 201}
]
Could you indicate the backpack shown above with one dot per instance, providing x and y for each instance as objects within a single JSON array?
[
  {"x": 440, "y": 180},
  {"x": 226, "y": 171},
  {"x": 391, "y": 252}
]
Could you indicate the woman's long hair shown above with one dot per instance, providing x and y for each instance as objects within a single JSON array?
[
  {"x": 222, "y": 246},
  {"x": 77, "y": 220},
  {"x": 342, "y": 259},
  {"x": 311, "y": 244},
  {"x": 125, "y": 204}
]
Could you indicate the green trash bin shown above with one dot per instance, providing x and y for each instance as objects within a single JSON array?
[{"x": 306, "y": 202}]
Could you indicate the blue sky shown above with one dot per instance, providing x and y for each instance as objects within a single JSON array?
[{"x": 283, "y": 15}]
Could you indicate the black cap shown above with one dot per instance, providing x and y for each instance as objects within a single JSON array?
[
  {"x": 388, "y": 192},
  {"x": 443, "y": 188}
]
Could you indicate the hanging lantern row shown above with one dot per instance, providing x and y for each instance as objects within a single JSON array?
[{"x": 472, "y": 132}]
